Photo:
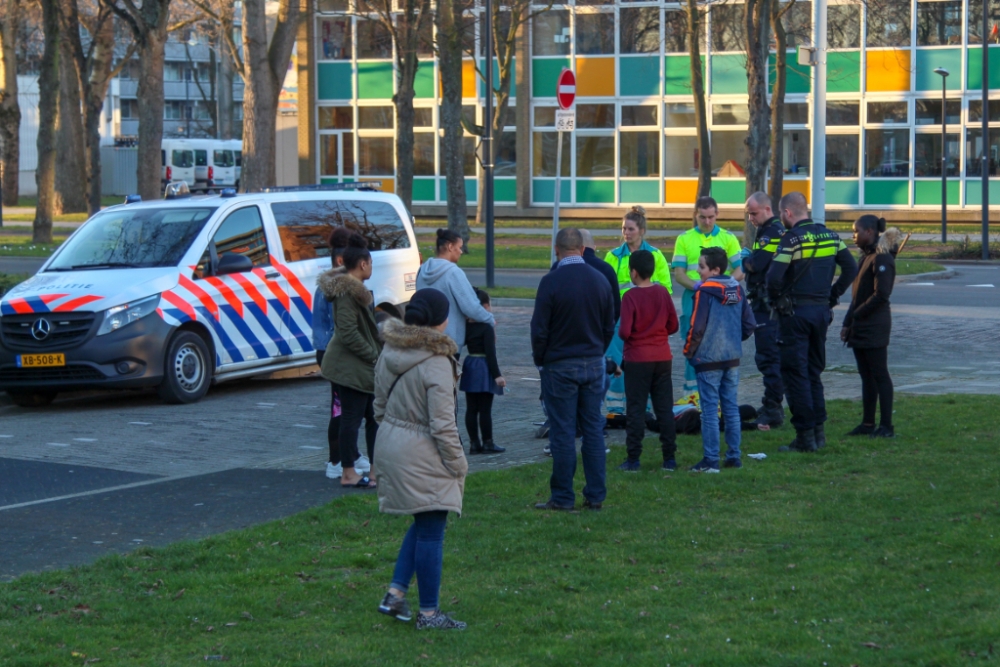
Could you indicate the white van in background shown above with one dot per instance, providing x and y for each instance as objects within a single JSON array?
[
  {"x": 177, "y": 158},
  {"x": 214, "y": 165}
]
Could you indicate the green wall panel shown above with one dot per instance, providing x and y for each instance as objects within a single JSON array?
[
  {"x": 929, "y": 192},
  {"x": 677, "y": 74},
  {"x": 423, "y": 189},
  {"x": 496, "y": 75},
  {"x": 641, "y": 192},
  {"x": 974, "y": 192},
  {"x": 423, "y": 85},
  {"x": 843, "y": 72},
  {"x": 879, "y": 192},
  {"x": 543, "y": 190},
  {"x": 976, "y": 68},
  {"x": 333, "y": 81},
  {"x": 842, "y": 192},
  {"x": 639, "y": 75},
  {"x": 729, "y": 75},
  {"x": 328, "y": 181},
  {"x": 470, "y": 190},
  {"x": 375, "y": 81},
  {"x": 505, "y": 189},
  {"x": 595, "y": 192},
  {"x": 729, "y": 192},
  {"x": 797, "y": 79},
  {"x": 544, "y": 72},
  {"x": 930, "y": 59}
]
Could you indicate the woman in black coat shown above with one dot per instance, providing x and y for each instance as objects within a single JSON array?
[{"x": 868, "y": 322}]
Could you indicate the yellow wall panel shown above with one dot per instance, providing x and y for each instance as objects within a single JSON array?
[
  {"x": 595, "y": 77},
  {"x": 680, "y": 192},
  {"x": 388, "y": 184},
  {"x": 887, "y": 71},
  {"x": 788, "y": 185},
  {"x": 468, "y": 78}
]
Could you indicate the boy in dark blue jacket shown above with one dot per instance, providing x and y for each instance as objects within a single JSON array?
[{"x": 720, "y": 322}]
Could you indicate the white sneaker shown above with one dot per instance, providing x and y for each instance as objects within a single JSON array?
[
  {"x": 334, "y": 471},
  {"x": 363, "y": 465}
]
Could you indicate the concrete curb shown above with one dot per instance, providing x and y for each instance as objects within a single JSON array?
[
  {"x": 933, "y": 275},
  {"x": 513, "y": 303}
]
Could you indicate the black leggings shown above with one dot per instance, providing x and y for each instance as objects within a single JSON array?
[
  {"x": 876, "y": 385},
  {"x": 479, "y": 404},
  {"x": 356, "y": 406}
]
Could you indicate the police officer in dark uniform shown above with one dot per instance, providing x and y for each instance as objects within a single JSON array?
[
  {"x": 801, "y": 289},
  {"x": 756, "y": 261}
]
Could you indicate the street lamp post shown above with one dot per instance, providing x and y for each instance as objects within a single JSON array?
[
  {"x": 944, "y": 154},
  {"x": 488, "y": 140},
  {"x": 985, "y": 175}
]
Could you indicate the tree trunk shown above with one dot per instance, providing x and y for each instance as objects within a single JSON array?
[
  {"x": 757, "y": 16},
  {"x": 10, "y": 112},
  {"x": 150, "y": 101},
  {"x": 225, "y": 97},
  {"x": 777, "y": 167},
  {"x": 700, "y": 110},
  {"x": 264, "y": 69},
  {"x": 48, "y": 105},
  {"x": 95, "y": 88},
  {"x": 71, "y": 167},
  {"x": 403, "y": 101},
  {"x": 449, "y": 38}
]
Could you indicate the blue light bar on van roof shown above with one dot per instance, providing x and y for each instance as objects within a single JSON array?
[
  {"x": 226, "y": 193},
  {"x": 369, "y": 186},
  {"x": 133, "y": 199}
]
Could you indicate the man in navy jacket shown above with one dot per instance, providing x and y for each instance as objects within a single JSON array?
[{"x": 571, "y": 327}]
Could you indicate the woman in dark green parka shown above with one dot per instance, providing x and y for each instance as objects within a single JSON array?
[{"x": 349, "y": 362}]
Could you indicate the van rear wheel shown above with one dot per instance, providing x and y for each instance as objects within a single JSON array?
[
  {"x": 187, "y": 373},
  {"x": 32, "y": 399}
]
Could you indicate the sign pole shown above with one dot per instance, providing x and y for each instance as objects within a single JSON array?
[
  {"x": 985, "y": 173},
  {"x": 565, "y": 122},
  {"x": 487, "y": 198},
  {"x": 556, "y": 197}
]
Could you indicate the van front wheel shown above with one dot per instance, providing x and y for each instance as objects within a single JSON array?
[{"x": 187, "y": 373}]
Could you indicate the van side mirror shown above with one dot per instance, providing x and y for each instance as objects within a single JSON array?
[{"x": 233, "y": 263}]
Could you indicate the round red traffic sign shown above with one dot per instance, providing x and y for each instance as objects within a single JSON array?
[{"x": 566, "y": 89}]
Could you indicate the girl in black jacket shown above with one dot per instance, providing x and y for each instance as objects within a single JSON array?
[
  {"x": 481, "y": 381},
  {"x": 868, "y": 322}
]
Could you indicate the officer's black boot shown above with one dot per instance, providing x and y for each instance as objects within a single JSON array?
[
  {"x": 820, "y": 437},
  {"x": 805, "y": 442},
  {"x": 771, "y": 414},
  {"x": 475, "y": 447},
  {"x": 489, "y": 447}
]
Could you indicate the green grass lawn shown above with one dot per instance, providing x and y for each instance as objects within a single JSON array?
[
  {"x": 22, "y": 246},
  {"x": 29, "y": 217},
  {"x": 868, "y": 553},
  {"x": 8, "y": 280}
]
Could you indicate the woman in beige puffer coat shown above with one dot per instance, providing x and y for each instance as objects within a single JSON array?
[{"x": 421, "y": 463}]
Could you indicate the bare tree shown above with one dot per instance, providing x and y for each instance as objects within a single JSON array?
[
  {"x": 148, "y": 23},
  {"x": 757, "y": 17},
  {"x": 10, "y": 112},
  {"x": 48, "y": 104},
  {"x": 450, "y": 35},
  {"x": 777, "y": 165},
  {"x": 694, "y": 17},
  {"x": 71, "y": 167}
]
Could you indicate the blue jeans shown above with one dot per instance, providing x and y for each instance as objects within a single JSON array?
[
  {"x": 721, "y": 385},
  {"x": 687, "y": 308},
  {"x": 573, "y": 390},
  {"x": 422, "y": 553}
]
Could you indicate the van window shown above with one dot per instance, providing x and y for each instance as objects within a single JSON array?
[
  {"x": 163, "y": 159},
  {"x": 242, "y": 232},
  {"x": 200, "y": 158},
  {"x": 239, "y": 158},
  {"x": 305, "y": 226},
  {"x": 182, "y": 159},
  {"x": 223, "y": 158}
]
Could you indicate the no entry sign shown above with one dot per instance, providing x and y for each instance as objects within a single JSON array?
[{"x": 566, "y": 89}]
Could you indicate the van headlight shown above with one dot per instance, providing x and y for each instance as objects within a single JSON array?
[{"x": 127, "y": 313}]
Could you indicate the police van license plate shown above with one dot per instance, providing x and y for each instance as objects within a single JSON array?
[{"x": 41, "y": 360}]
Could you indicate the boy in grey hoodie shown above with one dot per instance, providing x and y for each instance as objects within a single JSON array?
[
  {"x": 442, "y": 273},
  {"x": 720, "y": 322}
]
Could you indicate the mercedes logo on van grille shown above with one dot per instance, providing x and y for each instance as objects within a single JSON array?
[{"x": 41, "y": 329}]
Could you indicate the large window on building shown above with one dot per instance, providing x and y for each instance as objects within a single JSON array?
[
  {"x": 375, "y": 156},
  {"x": 423, "y": 153},
  {"x": 375, "y": 118},
  {"x": 374, "y": 40},
  {"x": 888, "y": 113},
  {"x": 976, "y": 19},
  {"x": 730, "y": 114},
  {"x": 550, "y": 34},
  {"x": 675, "y": 30},
  {"x": 729, "y": 152},
  {"x": 843, "y": 113},
  {"x": 795, "y": 152},
  {"x": 928, "y": 112},
  {"x": 639, "y": 30},
  {"x": 939, "y": 22},
  {"x": 595, "y": 156},
  {"x": 976, "y": 111},
  {"x": 683, "y": 156},
  {"x": 842, "y": 155},
  {"x": 469, "y": 160},
  {"x": 335, "y": 38},
  {"x": 927, "y": 154},
  {"x": 678, "y": 114},
  {"x": 798, "y": 24},
  {"x": 887, "y": 153},
  {"x": 506, "y": 162},
  {"x": 544, "y": 146},
  {"x": 595, "y": 33},
  {"x": 974, "y": 151},
  {"x": 594, "y": 116},
  {"x": 640, "y": 154},
  {"x": 728, "y": 28},
  {"x": 889, "y": 24},
  {"x": 843, "y": 26}
]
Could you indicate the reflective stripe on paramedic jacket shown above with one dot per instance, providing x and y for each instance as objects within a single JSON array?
[
  {"x": 690, "y": 243},
  {"x": 618, "y": 259},
  {"x": 805, "y": 262}
]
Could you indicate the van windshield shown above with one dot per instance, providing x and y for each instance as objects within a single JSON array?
[
  {"x": 223, "y": 158},
  {"x": 182, "y": 159},
  {"x": 132, "y": 238}
]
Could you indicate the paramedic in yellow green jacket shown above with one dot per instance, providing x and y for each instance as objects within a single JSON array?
[
  {"x": 706, "y": 234},
  {"x": 633, "y": 231}
]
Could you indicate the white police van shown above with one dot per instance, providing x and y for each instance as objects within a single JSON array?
[{"x": 179, "y": 293}]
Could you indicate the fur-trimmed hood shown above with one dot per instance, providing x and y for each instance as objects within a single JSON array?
[
  {"x": 407, "y": 345},
  {"x": 337, "y": 282},
  {"x": 889, "y": 241}
]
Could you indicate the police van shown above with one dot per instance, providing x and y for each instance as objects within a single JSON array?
[
  {"x": 180, "y": 293},
  {"x": 214, "y": 165}
]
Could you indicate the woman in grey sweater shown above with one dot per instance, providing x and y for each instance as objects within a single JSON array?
[{"x": 442, "y": 273}]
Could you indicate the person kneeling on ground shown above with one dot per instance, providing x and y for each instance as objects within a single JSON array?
[
  {"x": 421, "y": 464},
  {"x": 648, "y": 318},
  {"x": 721, "y": 320}
]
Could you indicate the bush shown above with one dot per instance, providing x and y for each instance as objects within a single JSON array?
[{"x": 8, "y": 280}]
